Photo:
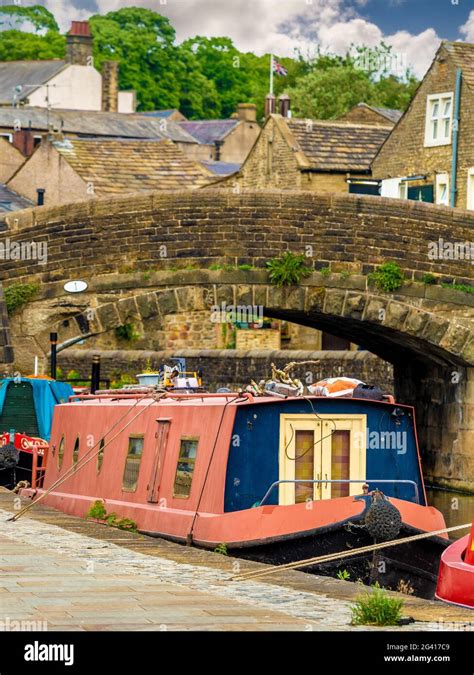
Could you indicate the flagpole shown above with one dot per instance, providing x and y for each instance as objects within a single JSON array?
[{"x": 271, "y": 74}]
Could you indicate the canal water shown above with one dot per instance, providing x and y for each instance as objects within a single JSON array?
[{"x": 457, "y": 508}]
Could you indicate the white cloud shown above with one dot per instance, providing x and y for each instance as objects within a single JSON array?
[
  {"x": 467, "y": 30},
  {"x": 277, "y": 26}
]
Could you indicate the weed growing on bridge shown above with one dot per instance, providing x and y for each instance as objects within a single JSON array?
[
  {"x": 288, "y": 269},
  {"x": 18, "y": 295},
  {"x": 459, "y": 287},
  {"x": 388, "y": 277},
  {"x": 429, "y": 279},
  {"x": 127, "y": 332}
]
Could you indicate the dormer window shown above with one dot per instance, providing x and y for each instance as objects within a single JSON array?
[{"x": 439, "y": 118}]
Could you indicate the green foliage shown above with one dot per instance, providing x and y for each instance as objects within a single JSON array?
[
  {"x": 288, "y": 269},
  {"x": 334, "y": 84},
  {"x": 97, "y": 510},
  {"x": 343, "y": 575},
  {"x": 18, "y": 295},
  {"x": 75, "y": 375},
  {"x": 222, "y": 549},
  {"x": 325, "y": 271},
  {"x": 389, "y": 277},
  {"x": 207, "y": 77},
  {"x": 459, "y": 287},
  {"x": 376, "y": 608},
  {"x": 122, "y": 379},
  {"x": 429, "y": 279},
  {"x": 345, "y": 274},
  {"x": 127, "y": 332}
]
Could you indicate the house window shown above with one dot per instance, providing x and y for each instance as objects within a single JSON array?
[
  {"x": 61, "y": 452},
  {"x": 442, "y": 189},
  {"x": 132, "y": 463},
  {"x": 75, "y": 452},
  {"x": 470, "y": 189},
  {"x": 403, "y": 190},
  {"x": 9, "y": 137},
  {"x": 185, "y": 467},
  {"x": 439, "y": 112}
]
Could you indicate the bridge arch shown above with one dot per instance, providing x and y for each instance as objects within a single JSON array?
[{"x": 129, "y": 249}]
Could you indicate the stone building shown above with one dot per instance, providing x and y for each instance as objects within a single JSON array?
[
  {"x": 316, "y": 155},
  {"x": 71, "y": 169},
  {"x": 417, "y": 159},
  {"x": 10, "y": 160},
  {"x": 73, "y": 83},
  {"x": 362, "y": 113},
  {"x": 227, "y": 140}
]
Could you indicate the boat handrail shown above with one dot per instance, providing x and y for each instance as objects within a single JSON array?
[
  {"x": 328, "y": 480},
  {"x": 143, "y": 394}
]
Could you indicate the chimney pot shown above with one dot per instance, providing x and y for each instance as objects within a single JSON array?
[
  {"x": 79, "y": 44},
  {"x": 270, "y": 105},
  {"x": 284, "y": 105}
]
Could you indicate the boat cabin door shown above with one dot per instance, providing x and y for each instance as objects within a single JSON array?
[
  {"x": 161, "y": 439},
  {"x": 323, "y": 448}
]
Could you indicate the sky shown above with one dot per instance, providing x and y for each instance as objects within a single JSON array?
[{"x": 414, "y": 28}]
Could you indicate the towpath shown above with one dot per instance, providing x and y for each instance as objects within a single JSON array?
[{"x": 69, "y": 574}]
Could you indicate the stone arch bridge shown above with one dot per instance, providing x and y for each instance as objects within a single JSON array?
[{"x": 146, "y": 258}]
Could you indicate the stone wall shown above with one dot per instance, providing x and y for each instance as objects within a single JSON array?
[
  {"x": 404, "y": 152},
  {"x": 205, "y": 227},
  {"x": 232, "y": 368}
]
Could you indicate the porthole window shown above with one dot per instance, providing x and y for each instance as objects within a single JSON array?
[
  {"x": 100, "y": 456},
  {"x": 61, "y": 452},
  {"x": 75, "y": 452}
]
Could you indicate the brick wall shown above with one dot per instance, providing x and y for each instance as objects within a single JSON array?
[
  {"x": 258, "y": 339},
  {"x": 230, "y": 368}
]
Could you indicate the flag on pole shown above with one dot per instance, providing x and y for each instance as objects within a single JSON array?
[{"x": 278, "y": 69}]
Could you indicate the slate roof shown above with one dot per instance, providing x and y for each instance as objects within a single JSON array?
[
  {"x": 221, "y": 168},
  {"x": 208, "y": 132},
  {"x": 338, "y": 146},
  {"x": 125, "y": 166},
  {"x": 89, "y": 123},
  {"x": 159, "y": 113},
  {"x": 462, "y": 54},
  {"x": 11, "y": 201},
  {"x": 389, "y": 113},
  {"x": 15, "y": 73}
]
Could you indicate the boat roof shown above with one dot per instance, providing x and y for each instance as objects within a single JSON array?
[{"x": 218, "y": 399}]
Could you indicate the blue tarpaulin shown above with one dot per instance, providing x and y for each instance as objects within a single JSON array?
[{"x": 46, "y": 394}]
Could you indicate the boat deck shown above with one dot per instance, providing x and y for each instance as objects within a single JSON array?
[{"x": 79, "y": 575}]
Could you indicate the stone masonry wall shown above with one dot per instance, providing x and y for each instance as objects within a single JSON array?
[
  {"x": 232, "y": 368},
  {"x": 404, "y": 153},
  {"x": 217, "y": 226}
]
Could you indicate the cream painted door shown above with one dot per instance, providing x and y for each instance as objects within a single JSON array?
[{"x": 327, "y": 447}]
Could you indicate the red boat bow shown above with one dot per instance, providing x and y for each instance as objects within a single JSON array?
[{"x": 456, "y": 573}]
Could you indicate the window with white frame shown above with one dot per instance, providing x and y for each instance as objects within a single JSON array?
[
  {"x": 470, "y": 189},
  {"x": 439, "y": 118},
  {"x": 442, "y": 189}
]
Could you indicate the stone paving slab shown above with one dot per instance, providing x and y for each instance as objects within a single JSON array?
[{"x": 174, "y": 587}]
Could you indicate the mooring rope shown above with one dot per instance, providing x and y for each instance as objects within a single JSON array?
[
  {"x": 86, "y": 459},
  {"x": 345, "y": 554}
]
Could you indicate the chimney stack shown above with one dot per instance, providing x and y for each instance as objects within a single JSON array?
[
  {"x": 247, "y": 112},
  {"x": 284, "y": 105},
  {"x": 79, "y": 44},
  {"x": 110, "y": 86},
  {"x": 270, "y": 105},
  {"x": 23, "y": 140}
]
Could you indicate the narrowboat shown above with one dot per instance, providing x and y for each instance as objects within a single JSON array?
[
  {"x": 456, "y": 573},
  {"x": 26, "y": 413},
  {"x": 273, "y": 478}
]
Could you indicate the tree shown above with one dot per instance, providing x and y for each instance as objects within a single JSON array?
[{"x": 18, "y": 44}]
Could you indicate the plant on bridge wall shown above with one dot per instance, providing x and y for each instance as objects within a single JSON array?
[
  {"x": 127, "y": 332},
  {"x": 388, "y": 277},
  {"x": 459, "y": 287},
  {"x": 18, "y": 295},
  {"x": 288, "y": 269},
  {"x": 429, "y": 279}
]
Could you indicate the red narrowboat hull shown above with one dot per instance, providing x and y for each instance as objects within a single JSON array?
[{"x": 456, "y": 573}]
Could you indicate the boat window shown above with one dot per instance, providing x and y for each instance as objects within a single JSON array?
[
  {"x": 100, "y": 456},
  {"x": 132, "y": 463},
  {"x": 61, "y": 452},
  {"x": 75, "y": 452},
  {"x": 340, "y": 462},
  {"x": 185, "y": 467}
]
